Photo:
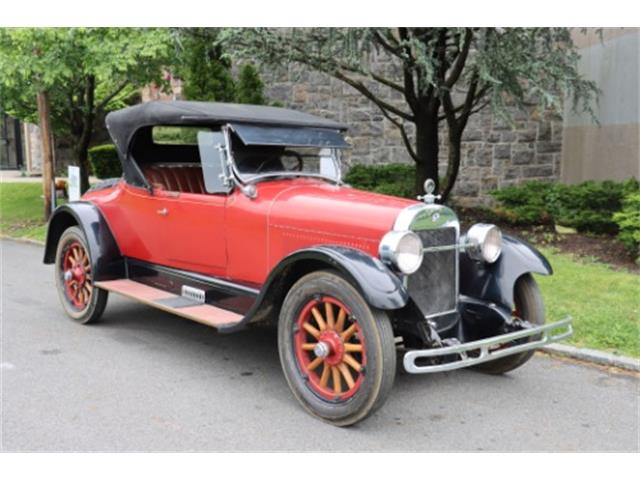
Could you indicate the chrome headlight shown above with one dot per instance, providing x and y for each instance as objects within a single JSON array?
[
  {"x": 403, "y": 250},
  {"x": 484, "y": 242}
]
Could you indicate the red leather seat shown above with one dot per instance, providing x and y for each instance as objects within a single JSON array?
[{"x": 176, "y": 178}]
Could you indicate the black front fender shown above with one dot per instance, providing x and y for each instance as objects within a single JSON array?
[
  {"x": 107, "y": 262},
  {"x": 495, "y": 282},
  {"x": 380, "y": 287}
]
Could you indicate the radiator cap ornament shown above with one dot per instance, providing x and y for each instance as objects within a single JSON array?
[{"x": 429, "y": 187}]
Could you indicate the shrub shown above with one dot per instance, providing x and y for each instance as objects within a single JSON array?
[
  {"x": 524, "y": 204},
  {"x": 104, "y": 161},
  {"x": 587, "y": 207},
  {"x": 628, "y": 220},
  {"x": 395, "y": 179},
  {"x": 249, "y": 86}
]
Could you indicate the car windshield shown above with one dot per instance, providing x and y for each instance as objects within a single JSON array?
[{"x": 255, "y": 162}]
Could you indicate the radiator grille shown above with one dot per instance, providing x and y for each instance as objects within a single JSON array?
[{"x": 433, "y": 287}]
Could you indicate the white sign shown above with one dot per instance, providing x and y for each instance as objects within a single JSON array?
[{"x": 73, "y": 189}]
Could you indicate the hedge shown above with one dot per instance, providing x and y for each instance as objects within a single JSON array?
[
  {"x": 395, "y": 179},
  {"x": 104, "y": 161},
  {"x": 587, "y": 207}
]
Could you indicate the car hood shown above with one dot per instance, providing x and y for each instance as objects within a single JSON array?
[{"x": 312, "y": 213}]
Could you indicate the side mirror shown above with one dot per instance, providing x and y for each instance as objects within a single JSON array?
[{"x": 212, "y": 148}]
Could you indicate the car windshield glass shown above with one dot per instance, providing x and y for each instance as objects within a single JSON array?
[{"x": 258, "y": 161}]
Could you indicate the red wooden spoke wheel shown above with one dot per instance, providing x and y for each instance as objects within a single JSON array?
[
  {"x": 329, "y": 349},
  {"x": 76, "y": 274}
]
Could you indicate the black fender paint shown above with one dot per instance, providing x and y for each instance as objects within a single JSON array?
[
  {"x": 106, "y": 261},
  {"x": 495, "y": 282},
  {"x": 379, "y": 286}
]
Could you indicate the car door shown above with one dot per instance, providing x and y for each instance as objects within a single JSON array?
[{"x": 194, "y": 232}]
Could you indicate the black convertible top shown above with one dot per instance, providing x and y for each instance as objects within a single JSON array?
[{"x": 123, "y": 124}]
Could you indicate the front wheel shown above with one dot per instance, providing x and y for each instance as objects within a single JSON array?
[
  {"x": 337, "y": 353},
  {"x": 529, "y": 307},
  {"x": 81, "y": 300}
]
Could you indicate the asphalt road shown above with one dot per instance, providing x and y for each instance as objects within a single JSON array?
[{"x": 143, "y": 380}]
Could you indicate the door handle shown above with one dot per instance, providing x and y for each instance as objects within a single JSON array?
[{"x": 163, "y": 212}]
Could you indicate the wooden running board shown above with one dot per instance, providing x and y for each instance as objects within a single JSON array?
[{"x": 207, "y": 314}]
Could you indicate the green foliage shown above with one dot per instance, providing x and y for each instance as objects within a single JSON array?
[
  {"x": 85, "y": 70},
  {"x": 390, "y": 179},
  {"x": 168, "y": 135},
  {"x": 587, "y": 207},
  {"x": 628, "y": 220},
  {"x": 104, "y": 161},
  {"x": 207, "y": 73},
  {"x": 524, "y": 204},
  {"x": 249, "y": 86}
]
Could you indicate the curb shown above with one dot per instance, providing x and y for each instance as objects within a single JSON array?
[
  {"x": 22, "y": 240},
  {"x": 594, "y": 356}
]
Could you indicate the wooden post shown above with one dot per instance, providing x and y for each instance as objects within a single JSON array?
[{"x": 47, "y": 152}]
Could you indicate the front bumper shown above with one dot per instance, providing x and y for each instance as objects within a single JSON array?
[{"x": 481, "y": 351}]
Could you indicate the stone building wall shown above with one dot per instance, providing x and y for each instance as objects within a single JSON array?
[{"x": 494, "y": 153}]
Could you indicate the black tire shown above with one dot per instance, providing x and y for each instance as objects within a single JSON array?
[
  {"x": 374, "y": 333},
  {"x": 529, "y": 305},
  {"x": 97, "y": 301}
]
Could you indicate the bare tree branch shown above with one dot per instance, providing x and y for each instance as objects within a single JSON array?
[
  {"x": 393, "y": 50},
  {"x": 459, "y": 63},
  {"x": 358, "y": 85},
  {"x": 387, "y": 82}
]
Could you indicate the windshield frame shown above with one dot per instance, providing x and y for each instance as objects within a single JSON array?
[{"x": 242, "y": 178}]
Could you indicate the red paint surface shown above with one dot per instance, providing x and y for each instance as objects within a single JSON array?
[{"x": 239, "y": 238}]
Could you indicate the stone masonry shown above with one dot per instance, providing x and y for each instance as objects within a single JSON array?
[{"x": 494, "y": 153}]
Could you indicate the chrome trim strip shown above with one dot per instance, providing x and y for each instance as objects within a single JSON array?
[
  {"x": 484, "y": 345},
  {"x": 444, "y": 248}
]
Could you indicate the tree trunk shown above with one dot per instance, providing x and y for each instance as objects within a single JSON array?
[
  {"x": 84, "y": 140},
  {"x": 453, "y": 167},
  {"x": 82, "y": 157},
  {"x": 427, "y": 152},
  {"x": 48, "y": 179}
]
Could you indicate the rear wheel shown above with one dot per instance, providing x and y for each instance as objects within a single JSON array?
[
  {"x": 81, "y": 300},
  {"x": 337, "y": 353},
  {"x": 529, "y": 307}
]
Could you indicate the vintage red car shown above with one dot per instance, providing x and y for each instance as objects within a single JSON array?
[{"x": 235, "y": 214}]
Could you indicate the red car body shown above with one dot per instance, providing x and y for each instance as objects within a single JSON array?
[{"x": 243, "y": 239}]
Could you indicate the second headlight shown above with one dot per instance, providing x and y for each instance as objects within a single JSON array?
[
  {"x": 403, "y": 250},
  {"x": 484, "y": 242}
]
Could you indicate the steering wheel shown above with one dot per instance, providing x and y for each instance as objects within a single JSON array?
[{"x": 298, "y": 157}]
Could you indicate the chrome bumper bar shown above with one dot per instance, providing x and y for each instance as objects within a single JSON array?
[{"x": 487, "y": 349}]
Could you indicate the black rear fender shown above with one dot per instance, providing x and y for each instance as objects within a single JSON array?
[{"x": 106, "y": 261}]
